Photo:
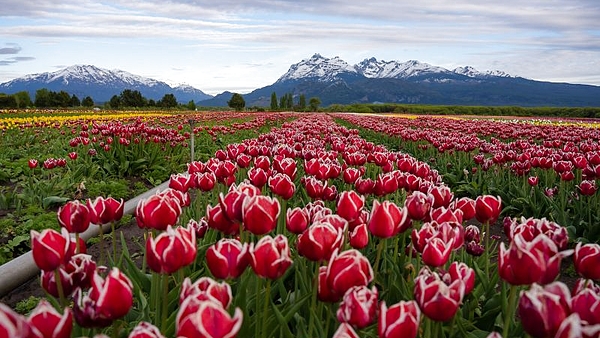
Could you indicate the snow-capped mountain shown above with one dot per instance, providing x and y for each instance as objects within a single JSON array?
[
  {"x": 100, "y": 84},
  {"x": 319, "y": 67},
  {"x": 334, "y": 81},
  {"x": 327, "y": 70}
]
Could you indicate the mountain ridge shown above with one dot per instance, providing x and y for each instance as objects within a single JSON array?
[{"x": 100, "y": 84}]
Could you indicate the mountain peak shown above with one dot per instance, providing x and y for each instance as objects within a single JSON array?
[
  {"x": 99, "y": 83},
  {"x": 318, "y": 67}
]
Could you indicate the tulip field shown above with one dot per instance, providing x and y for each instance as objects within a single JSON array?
[{"x": 303, "y": 224}]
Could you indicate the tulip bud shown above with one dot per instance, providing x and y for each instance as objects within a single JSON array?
[
  {"x": 358, "y": 307},
  {"x": 206, "y": 288},
  {"x": 50, "y": 249},
  {"x": 282, "y": 185},
  {"x": 418, "y": 205},
  {"x": 487, "y": 208},
  {"x": 347, "y": 269},
  {"x": 228, "y": 258},
  {"x": 542, "y": 309},
  {"x": 206, "y": 318},
  {"x": 258, "y": 177},
  {"x": 296, "y": 220},
  {"x": 145, "y": 330},
  {"x": 50, "y": 323},
  {"x": 399, "y": 320},
  {"x": 157, "y": 212},
  {"x": 359, "y": 236},
  {"x": 587, "y": 260},
  {"x": 260, "y": 213},
  {"x": 171, "y": 250},
  {"x": 319, "y": 241},
  {"x": 350, "y": 204},
  {"x": 438, "y": 300},
  {"x": 13, "y": 325},
  {"x": 387, "y": 219},
  {"x": 74, "y": 216},
  {"x": 270, "y": 257},
  {"x": 105, "y": 210}
]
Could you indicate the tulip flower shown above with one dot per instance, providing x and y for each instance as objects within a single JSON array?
[
  {"x": 232, "y": 202},
  {"x": 350, "y": 175},
  {"x": 258, "y": 177},
  {"x": 438, "y": 300},
  {"x": 364, "y": 186},
  {"x": 145, "y": 330},
  {"x": 270, "y": 257},
  {"x": 474, "y": 248},
  {"x": 345, "y": 331},
  {"x": 13, "y": 325},
  {"x": 358, "y": 306},
  {"x": 399, "y": 320},
  {"x": 157, "y": 212},
  {"x": 347, "y": 269},
  {"x": 350, "y": 204},
  {"x": 228, "y": 258},
  {"x": 296, "y": 220},
  {"x": 487, "y": 208},
  {"x": 108, "y": 299},
  {"x": 74, "y": 216},
  {"x": 181, "y": 182},
  {"x": 260, "y": 213},
  {"x": 442, "y": 196},
  {"x": 437, "y": 251},
  {"x": 32, "y": 163},
  {"x": 533, "y": 181},
  {"x": 207, "y": 319},
  {"x": 319, "y": 241},
  {"x": 205, "y": 181},
  {"x": 526, "y": 262},
  {"x": 206, "y": 288},
  {"x": 587, "y": 187},
  {"x": 216, "y": 219},
  {"x": 586, "y": 303},
  {"x": 171, "y": 250},
  {"x": 282, "y": 185},
  {"x": 542, "y": 309},
  {"x": 105, "y": 210},
  {"x": 387, "y": 219},
  {"x": 586, "y": 259},
  {"x": 286, "y": 166},
  {"x": 418, "y": 205},
  {"x": 460, "y": 270},
  {"x": 359, "y": 236},
  {"x": 262, "y": 162},
  {"x": 50, "y": 248},
  {"x": 575, "y": 327},
  {"x": 47, "y": 322}
]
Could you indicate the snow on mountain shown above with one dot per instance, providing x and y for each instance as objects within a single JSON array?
[
  {"x": 318, "y": 67},
  {"x": 326, "y": 70},
  {"x": 372, "y": 68},
  {"x": 472, "y": 72},
  {"x": 100, "y": 83}
]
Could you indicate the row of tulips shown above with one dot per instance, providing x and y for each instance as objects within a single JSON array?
[
  {"x": 293, "y": 205},
  {"x": 539, "y": 170}
]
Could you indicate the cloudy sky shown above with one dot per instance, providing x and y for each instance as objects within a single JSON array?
[{"x": 241, "y": 45}]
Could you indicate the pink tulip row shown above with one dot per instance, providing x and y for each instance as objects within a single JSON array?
[{"x": 334, "y": 230}]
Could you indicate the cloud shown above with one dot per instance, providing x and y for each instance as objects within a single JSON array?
[
  {"x": 14, "y": 60},
  {"x": 12, "y": 49}
]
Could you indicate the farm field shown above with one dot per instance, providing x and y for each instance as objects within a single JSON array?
[{"x": 303, "y": 225}]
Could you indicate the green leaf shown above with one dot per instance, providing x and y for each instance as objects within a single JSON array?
[{"x": 53, "y": 200}]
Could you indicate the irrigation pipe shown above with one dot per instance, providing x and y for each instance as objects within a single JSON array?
[{"x": 21, "y": 269}]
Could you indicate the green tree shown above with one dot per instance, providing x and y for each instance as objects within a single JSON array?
[
  {"x": 23, "y": 99},
  {"x": 133, "y": 98},
  {"x": 151, "y": 103},
  {"x": 274, "y": 101},
  {"x": 168, "y": 101},
  {"x": 314, "y": 103},
  {"x": 87, "y": 102},
  {"x": 115, "y": 102},
  {"x": 42, "y": 98},
  {"x": 191, "y": 105},
  {"x": 75, "y": 101},
  {"x": 61, "y": 99},
  {"x": 236, "y": 102},
  {"x": 302, "y": 102},
  {"x": 8, "y": 101}
]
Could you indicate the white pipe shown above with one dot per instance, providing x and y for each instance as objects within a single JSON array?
[{"x": 21, "y": 269}]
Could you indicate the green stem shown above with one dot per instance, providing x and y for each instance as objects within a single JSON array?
[
  {"x": 379, "y": 250},
  {"x": 165, "y": 302},
  {"x": 59, "y": 287},
  {"x": 311, "y": 323},
  {"x": 264, "y": 314},
  {"x": 508, "y": 316},
  {"x": 115, "y": 329},
  {"x": 114, "y": 241},
  {"x": 257, "y": 307},
  {"x": 487, "y": 248}
]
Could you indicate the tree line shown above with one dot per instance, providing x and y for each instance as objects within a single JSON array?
[
  {"x": 286, "y": 102},
  {"x": 128, "y": 98}
]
